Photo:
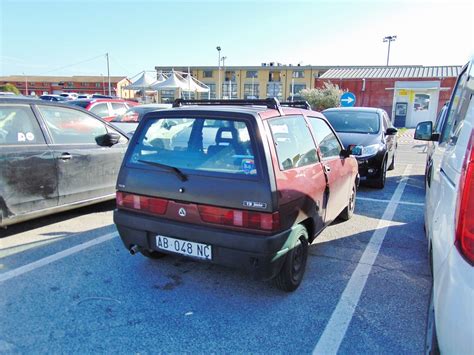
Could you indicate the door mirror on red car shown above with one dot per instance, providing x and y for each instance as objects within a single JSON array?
[
  {"x": 108, "y": 139},
  {"x": 424, "y": 131},
  {"x": 391, "y": 131}
]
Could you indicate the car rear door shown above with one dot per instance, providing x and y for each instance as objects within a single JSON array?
[
  {"x": 339, "y": 171},
  {"x": 86, "y": 170},
  {"x": 28, "y": 178},
  {"x": 300, "y": 177}
]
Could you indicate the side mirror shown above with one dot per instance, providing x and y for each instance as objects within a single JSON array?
[
  {"x": 424, "y": 131},
  {"x": 391, "y": 131},
  {"x": 108, "y": 139},
  {"x": 345, "y": 153}
]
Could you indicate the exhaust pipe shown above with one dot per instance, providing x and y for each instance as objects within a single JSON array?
[{"x": 134, "y": 249}]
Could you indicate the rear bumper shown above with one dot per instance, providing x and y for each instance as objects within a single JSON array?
[{"x": 260, "y": 255}]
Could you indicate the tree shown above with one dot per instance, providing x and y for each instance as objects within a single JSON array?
[
  {"x": 10, "y": 88},
  {"x": 326, "y": 97}
]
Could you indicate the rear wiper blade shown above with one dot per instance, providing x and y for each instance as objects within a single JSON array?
[{"x": 174, "y": 170}]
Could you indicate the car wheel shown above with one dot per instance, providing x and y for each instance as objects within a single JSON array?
[
  {"x": 431, "y": 340},
  {"x": 293, "y": 269},
  {"x": 348, "y": 212},
  {"x": 380, "y": 182},
  {"x": 392, "y": 164},
  {"x": 152, "y": 254}
]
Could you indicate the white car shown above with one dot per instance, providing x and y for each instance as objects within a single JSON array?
[
  {"x": 449, "y": 222},
  {"x": 69, "y": 95}
]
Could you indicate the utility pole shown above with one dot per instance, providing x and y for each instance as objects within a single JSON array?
[
  {"x": 26, "y": 85},
  {"x": 218, "y": 91},
  {"x": 389, "y": 39},
  {"x": 108, "y": 72},
  {"x": 223, "y": 69}
]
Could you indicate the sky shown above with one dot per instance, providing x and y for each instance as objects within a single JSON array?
[{"x": 71, "y": 37}]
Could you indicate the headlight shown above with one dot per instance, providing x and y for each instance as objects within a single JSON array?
[{"x": 362, "y": 151}]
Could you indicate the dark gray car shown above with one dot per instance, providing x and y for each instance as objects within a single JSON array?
[{"x": 54, "y": 158}]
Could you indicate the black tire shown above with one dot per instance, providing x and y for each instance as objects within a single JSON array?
[
  {"x": 392, "y": 164},
  {"x": 292, "y": 272},
  {"x": 152, "y": 254},
  {"x": 380, "y": 181},
  {"x": 348, "y": 212},
  {"x": 431, "y": 340}
]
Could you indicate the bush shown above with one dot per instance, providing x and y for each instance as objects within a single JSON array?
[
  {"x": 10, "y": 88},
  {"x": 323, "y": 98}
]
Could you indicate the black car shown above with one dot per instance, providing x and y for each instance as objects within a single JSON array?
[
  {"x": 54, "y": 158},
  {"x": 369, "y": 134},
  {"x": 53, "y": 98}
]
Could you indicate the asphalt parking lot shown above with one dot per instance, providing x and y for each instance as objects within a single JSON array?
[{"x": 68, "y": 285}]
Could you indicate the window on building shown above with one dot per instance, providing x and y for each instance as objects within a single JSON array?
[
  {"x": 167, "y": 96},
  {"x": 274, "y": 76},
  {"x": 275, "y": 90},
  {"x": 251, "y": 91},
  {"x": 229, "y": 75},
  {"x": 298, "y": 73},
  {"x": 31, "y": 83},
  {"x": 422, "y": 102},
  {"x": 70, "y": 84},
  {"x": 229, "y": 90},
  {"x": 207, "y": 73},
  {"x": 84, "y": 84},
  {"x": 97, "y": 85},
  {"x": 211, "y": 94},
  {"x": 251, "y": 74},
  {"x": 295, "y": 90}
]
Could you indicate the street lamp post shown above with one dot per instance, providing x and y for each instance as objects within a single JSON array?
[
  {"x": 389, "y": 39},
  {"x": 218, "y": 92},
  {"x": 223, "y": 70}
]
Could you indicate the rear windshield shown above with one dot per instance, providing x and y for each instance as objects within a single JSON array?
[
  {"x": 212, "y": 145},
  {"x": 354, "y": 121}
]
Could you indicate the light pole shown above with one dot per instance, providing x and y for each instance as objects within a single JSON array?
[
  {"x": 223, "y": 70},
  {"x": 218, "y": 92},
  {"x": 389, "y": 39}
]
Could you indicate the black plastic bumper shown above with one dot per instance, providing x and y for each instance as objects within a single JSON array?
[
  {"x": 366, "y": 164},
  {"x": 260, "y": 255}
]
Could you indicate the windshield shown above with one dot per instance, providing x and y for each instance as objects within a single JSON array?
[
  {"x": 213, "y": 145},
  {"x": 354, "y": 121}
]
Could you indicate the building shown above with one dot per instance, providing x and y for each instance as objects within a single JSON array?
[
  {"x": 267, "y": 80},
  {"x": 410, "y": 94},
  {"x": 40, "y": 85}
]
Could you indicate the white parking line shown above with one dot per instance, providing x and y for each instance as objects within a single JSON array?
[
  {"x": 388, "y": 201},
  {"x": 52, "y": 258},
  {"x": 336, "y": 328}
]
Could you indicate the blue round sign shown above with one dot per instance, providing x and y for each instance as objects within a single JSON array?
[{"x": 348, "y": 99}]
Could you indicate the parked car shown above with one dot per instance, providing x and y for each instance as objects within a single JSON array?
[
  {"x": 84, "y": 96},
  {"x": 369, "y": 134},
  {"x": 255, "y": 197},
  {"x": 128, "y": 122},
  {"x": 54, "y": 158},
  {"x": 69, "y": 95},
  {"x": 107, "y": 109},
  {"x": 449, "y": 222},
  {"x": 53, "y": 98}
]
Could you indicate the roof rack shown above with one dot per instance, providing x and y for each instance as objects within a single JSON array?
[
  {"x": 270, "y": 102},
  {"x": 298, "y": 104}
]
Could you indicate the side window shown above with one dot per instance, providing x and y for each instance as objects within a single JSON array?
[
  {"x": 118, "y": 108},
  {"x": 328, "y": 143},
  {"x": 101, "y": 109},
  {"x": 69, "y": 126},
  {"x": 293, "y": 142},
  {"x": 452, "y": 116},
  {"x": 18, "y": 126}
]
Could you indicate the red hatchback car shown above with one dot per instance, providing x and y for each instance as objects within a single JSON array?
[
  {"x": 241, "y": 183},
  {"x": 107, "y": 109}
]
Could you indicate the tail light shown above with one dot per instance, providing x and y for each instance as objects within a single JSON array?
[
  {"x": 238, "y": 218},
  {"x": 141, "y": 203},
  {"x": 465, "y": 208}
]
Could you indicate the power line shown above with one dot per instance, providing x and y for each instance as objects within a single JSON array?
[{"x": 71, "y": 65}]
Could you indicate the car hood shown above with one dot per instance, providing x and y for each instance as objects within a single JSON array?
[{"x": 363, "y": 139}]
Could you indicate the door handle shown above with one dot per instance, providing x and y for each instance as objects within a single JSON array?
[
  {"x": 65, "y": 156},
  {"x": 327, "y": 168}
]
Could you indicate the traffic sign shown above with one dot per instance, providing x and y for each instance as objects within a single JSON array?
[{"x": 348, "y": 99}]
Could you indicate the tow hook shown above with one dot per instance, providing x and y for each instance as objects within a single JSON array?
[{"x": 134, "y": 249}]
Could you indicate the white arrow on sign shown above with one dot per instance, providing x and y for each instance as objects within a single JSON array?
[{"x": 348, "y": 100}]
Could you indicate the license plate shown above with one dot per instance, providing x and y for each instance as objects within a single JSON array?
[{"x": 197, "y": 250}]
